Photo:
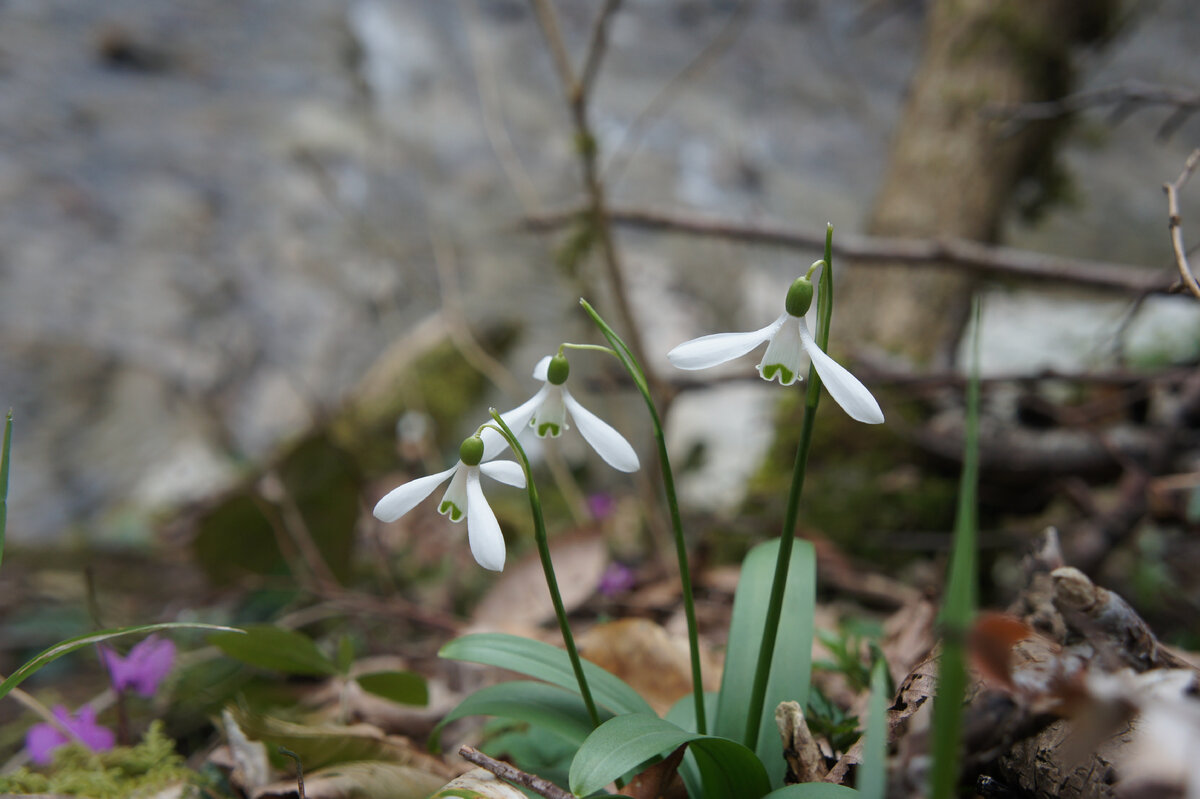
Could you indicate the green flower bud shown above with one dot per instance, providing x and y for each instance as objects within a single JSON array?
[
  {"x": 558, "y": 370},
  {"x": 799, "y": 297},
  {"x": 471, "y": 451}
]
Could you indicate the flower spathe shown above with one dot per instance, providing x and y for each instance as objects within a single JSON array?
[
  {"x": 547, "y": 412},
  {"x": 463, "y": 499},
  {"x": 788, "y": 342}
]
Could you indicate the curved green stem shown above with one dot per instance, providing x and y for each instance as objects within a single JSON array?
[
  {"x": 762, "y": 672},
  {"x": 627, "y": 359},
  {"x": 543, "y": 545}
]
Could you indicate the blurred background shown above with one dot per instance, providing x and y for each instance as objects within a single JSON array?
[{"x": 264, "y": 257}]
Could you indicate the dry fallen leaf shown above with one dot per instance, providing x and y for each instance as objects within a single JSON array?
[
  {"x": 644, "y": 655},
  {"x": 520, "y": 600},
  {"x": 480, "y": 784}
]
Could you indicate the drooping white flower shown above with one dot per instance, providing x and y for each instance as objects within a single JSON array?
[
  {"x": 463, "y": 499},
  {"x": 547, "y": 411},
  {"x": 788, "y": 340}
]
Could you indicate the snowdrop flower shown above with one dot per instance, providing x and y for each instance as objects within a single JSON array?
[
  {"x": 463, "y": 499},
  {"x": 788, "y": 339},
  {"x": 547, "y": 410}
]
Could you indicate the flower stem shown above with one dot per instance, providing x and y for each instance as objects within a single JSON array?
[
  {"x": 543, "y": 545},
  {"x": 766, "y": 651},
  {"x": 627, "y": 359}
]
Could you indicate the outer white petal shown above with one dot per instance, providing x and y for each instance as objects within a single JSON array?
[
  {"x": 483, "y": 531},
  {"x": 706, "y": 351},
  {"x": 844, "y": 387},
  {"x": 542, "y": 370},
  {"x": 608, "y": 443},
  {"x": 400, "y": 501},
  {"x": 517, "y": 419},
  {"x": 506, "y": 472},
  {"x": 784, "y": 357}
]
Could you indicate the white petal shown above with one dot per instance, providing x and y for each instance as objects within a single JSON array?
[
  {"x": 400, "y": 501},
  {"x": 844, "y": 387},
  {"x": 706, "y": 351},
  {"x": 608, "y": 443},
  {"x": 551, "y": 418},
  {"x": 483, "y": 531},
  {"x": 506, "y": 472},
  {"x": 517, "y": 419},
  {"x": 454, "y": 502},
  {"x": 542, "y": 370},
  {"x": 784, "y": 357}
]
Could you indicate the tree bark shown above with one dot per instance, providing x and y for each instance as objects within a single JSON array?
[{"x": 953, "y": 168}]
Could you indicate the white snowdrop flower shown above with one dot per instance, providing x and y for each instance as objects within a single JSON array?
[
  {"x": 547, "y": 412},
  {"x": 788, "y": 341},
  {"x": 463, "y": 499}
]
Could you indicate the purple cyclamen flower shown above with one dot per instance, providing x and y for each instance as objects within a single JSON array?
[
  {"x": 601, "y": 505},
  {"x": 143, "y": 668},
  {"x": 617, "y": 579},
  {"x": 42, "y": 739}
]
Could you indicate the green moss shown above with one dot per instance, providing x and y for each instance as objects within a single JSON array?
[{"x": 119, "y": 773}]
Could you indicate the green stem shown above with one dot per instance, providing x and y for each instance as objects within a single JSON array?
[
  {"x": 543, "y": 545},
  {"x": 627, "y": 359},
  {"x": 4, "y": 458},
  {"x": 766, "y": 652}
]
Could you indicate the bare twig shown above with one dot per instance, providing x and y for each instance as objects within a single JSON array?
[
  {"x": 597, "y": 47},
  {"x": 1175, "y": 223},
  {"x": 1125, "y": 98},
  {"x": 539, "y": 785},
  {"x": 980, "y": 258},
  {"x": 624, "y": 151},
  {"x": 595, "y": 214},
  {"x": 283, "y": 750}
]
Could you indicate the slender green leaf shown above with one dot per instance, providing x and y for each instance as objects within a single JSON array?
[
  {"x": 270, "y": 647},
  {"x": 5, "y": 456},
  {"x": 619, "y": 745},
  {"x": 813, "y": 790},
  {"x": 404, "y": 687},
  {"x": 791, "y": 663},
  {"x": 958, "y": 606},
  {"x": 544, "y": 662},
  {"x": 625, "y": 356},
  {"x": 683, "y": 715},
  {"x": 71, "y": 644},
  {"x": 872, "y": 773},
  {"x": 537, "y": 703}
]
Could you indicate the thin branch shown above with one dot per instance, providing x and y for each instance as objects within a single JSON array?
[
  {"x": 980, "y": 258},
  {"x": 1125, "y": 98},
  {"x": 596, "y": 212},
  {"x": 1175, "y": 223},
  {"x": 539, "y": 785},
  {"x": 597, "y": 47},
  {"x": 624, "y": 151}
]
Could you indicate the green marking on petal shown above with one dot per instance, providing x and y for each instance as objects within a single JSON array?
[
  {"x": 549, "y": 427},
  {"x": 448, "y": 508},
  {"x": 769, "y": 371}
]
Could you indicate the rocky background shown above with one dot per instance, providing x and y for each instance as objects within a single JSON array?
[{"x": 217, "y": 214}]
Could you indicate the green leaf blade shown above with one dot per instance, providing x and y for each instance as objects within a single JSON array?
[
  {"x": 728, "y": 769},
  {"x": 872, "y": 773},
  {"x": 813, "y": 790},
  {"x": 545, "y": 662},
  {"x": 791, "y": 663},
  {"x": 403, "y": 687},
  {"x": 277, "y": 649},
  {"x": 536, "y": 703},
  {"x": 71, "y": 644}
]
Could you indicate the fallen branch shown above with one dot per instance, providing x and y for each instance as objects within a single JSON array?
[
  {"x": 1175, "y": 223},
  {"x": 983, "y": 259},
  {"x": 1125, "y": 98},
  {"x": 539, "y": 785}
]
